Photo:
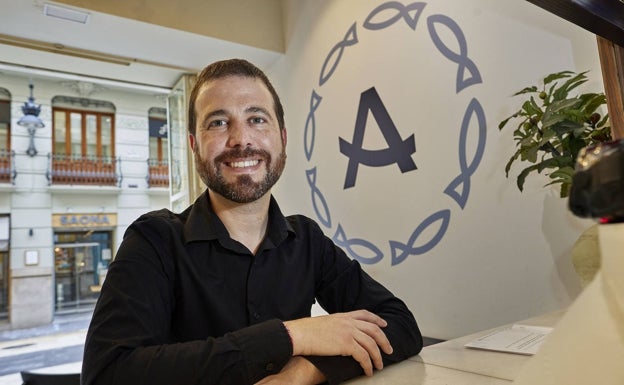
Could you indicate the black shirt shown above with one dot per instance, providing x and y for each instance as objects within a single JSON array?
[{"x": 183, "y": 303}]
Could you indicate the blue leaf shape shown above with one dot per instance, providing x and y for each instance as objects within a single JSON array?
[
  {"x": 402, "y": 11},
  {"x": 334, "y": 56},
  {"x": 400, "y": 251},
  {"x": 340, "y": 238},
  {"x": 466, "y": 170},
  {"x": 310, "y": 126},
  {"x": 318, "y": 199},
  {"x": 463, "y": 61}
]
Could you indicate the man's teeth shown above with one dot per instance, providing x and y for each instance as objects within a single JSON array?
[{"x": 246, "y": 163}]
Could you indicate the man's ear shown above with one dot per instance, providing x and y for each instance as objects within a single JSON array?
[
  {"x": 191, "y": 138},
  {"x": 284, "y": 136}
]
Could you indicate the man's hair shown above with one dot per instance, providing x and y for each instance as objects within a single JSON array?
[{"x": 231, "y": 67}]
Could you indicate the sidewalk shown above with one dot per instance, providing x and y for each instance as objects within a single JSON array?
[{"x": 56, "y": 347}]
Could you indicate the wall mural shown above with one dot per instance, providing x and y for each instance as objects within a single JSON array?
[{"x": 399, "y": 151}]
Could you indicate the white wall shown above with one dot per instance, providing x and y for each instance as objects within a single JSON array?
[{"x": 505, "y": 255}]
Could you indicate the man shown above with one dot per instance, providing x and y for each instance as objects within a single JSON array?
[{"x": 222, "y": 293}]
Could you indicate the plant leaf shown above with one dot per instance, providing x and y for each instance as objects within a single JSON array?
[
  {"x": 526, "y": 90},
  {"x": 557, "y": 75},
  {"x": 575, "y": 81},
  {"x": 504, "y": 122},
  {"x": 523, "y": 174},
  {"x": 510, "y": 162},
  {"x": 591, "y": 102},
  {"x": 531, "y": 108},
  {"x": 559, "y": 162},
  {"x": 565, "y": 127},
  {"x": 555, "y": 127}
]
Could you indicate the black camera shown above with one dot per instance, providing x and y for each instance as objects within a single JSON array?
[{"x": 598, "y": 183}]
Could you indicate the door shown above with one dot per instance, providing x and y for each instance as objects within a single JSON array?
[
  {"x": 77, "y": 274},
  {"x": 4, "y": 264}
]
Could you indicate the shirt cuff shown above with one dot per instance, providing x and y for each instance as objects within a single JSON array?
[
  {"x": 266, "y": 348},
  {"x": 336, "y": 368}
]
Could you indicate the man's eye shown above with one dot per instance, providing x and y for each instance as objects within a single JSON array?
[
  {"x": 217, "y": 123},
  {"x": 258, "y": 120}
]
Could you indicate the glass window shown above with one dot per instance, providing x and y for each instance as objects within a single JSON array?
[
  {"x": 59, "y": 133},
  {"x": 75, "y": 134},
  {"x": 78, "y": 273},
  {"x": 158, "y": 148},
  {"x": 158, "y": 134},
  {"x": 107, "y": 136},
  {"x": 5, "y": 124},
  {"x": 6, "y": 161},
  {"x": 4, "y": 137},
  {"x": 89, "y": 134},
  {"x": 83, "y": 137}
]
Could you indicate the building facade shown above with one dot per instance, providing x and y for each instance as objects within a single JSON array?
[{"x": 69, "y": 189}]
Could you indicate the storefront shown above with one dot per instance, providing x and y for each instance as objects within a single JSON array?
[{"x": 83, "y": 245}]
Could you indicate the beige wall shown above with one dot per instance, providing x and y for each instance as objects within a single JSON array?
[
  {"x": 249, "y": 22},
  {"x": 505, "y": 255}
]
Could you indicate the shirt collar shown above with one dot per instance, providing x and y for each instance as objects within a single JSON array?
[{"x": 203, "y": 224}]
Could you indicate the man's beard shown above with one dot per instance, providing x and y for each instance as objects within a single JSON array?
[{"x": 243, "y": 189}]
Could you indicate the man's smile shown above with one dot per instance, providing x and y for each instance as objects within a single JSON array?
[{"x": 243, "y": 163}]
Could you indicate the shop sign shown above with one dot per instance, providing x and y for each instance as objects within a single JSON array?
[{"x": 84, "y": 220}]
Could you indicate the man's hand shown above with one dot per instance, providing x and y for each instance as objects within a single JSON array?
[
  {"x": 298, "y": 371},
  {"x": 357, "y": 334}
]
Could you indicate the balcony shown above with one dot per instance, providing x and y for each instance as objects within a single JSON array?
[
  {"x": 158, "y": 173},
  {"x": 84, "y": 170},
  {"x": 7, "y": 166}
]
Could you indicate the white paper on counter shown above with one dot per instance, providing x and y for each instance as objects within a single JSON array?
[{"x": 518, "y": 339}]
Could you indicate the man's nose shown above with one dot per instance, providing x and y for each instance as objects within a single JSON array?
[{"x": 239, "y": 135}]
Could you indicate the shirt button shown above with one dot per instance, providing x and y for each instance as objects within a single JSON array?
[{"x": 270, "y": 367}]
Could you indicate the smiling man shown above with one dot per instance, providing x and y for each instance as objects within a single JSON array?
[{"x": 222, "y": 292}]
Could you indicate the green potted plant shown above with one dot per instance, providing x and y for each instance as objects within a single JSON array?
[{"x": 553, "y": 126}]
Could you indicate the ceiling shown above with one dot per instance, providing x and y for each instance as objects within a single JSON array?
[{"x": 123, "y": 46}]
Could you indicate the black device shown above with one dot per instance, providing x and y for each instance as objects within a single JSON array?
[{"x": 598, "y": 183}]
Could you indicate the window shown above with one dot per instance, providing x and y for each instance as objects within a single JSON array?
[
  {"x": 6, "y": 166},
  {"x": 83, "y": 136},
  {"x": 80, "y": 264},
  {"x": 5, "y": 125},
  {"x": 158, "y": 148}
]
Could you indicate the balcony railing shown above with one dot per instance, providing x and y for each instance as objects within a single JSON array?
[
  {"x": 7, "y": 166},
  {"x": 158, "y": 173},
  {"x": 84, "y": 170}
]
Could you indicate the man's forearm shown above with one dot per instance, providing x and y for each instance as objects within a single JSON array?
[{"x": 297, "y": 371}]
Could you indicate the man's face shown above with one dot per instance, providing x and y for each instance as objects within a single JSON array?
[{"x": 238, "y": 145}]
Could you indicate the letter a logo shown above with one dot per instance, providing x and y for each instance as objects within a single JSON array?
[{"x": 398, "y": 151}]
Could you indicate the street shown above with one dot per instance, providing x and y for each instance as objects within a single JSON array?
[{"x": 54, "y": 348}]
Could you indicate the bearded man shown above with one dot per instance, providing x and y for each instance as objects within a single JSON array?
[{"x": 222, "y": 292}]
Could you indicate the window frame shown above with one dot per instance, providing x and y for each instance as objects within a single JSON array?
[
  {"x": 8, "y": 123},
  {"x": 83, "y": 131}
]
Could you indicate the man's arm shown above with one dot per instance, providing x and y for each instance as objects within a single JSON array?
[
  {"x": 297, "y": 371},
  {"x": 345, "y": 287},
  {"x": 357, "y": 334},
  {"x": 130, "y": 341}
]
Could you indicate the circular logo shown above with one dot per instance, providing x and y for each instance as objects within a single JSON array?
[{"x": 444, "y": 33}]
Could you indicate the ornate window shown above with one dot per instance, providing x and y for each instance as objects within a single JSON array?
[
  {"x": 83, "y": 138},
  {"x": 6, "y": 159},
  {"x": 158, "y": 161}
]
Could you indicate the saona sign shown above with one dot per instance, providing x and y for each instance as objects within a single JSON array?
[
  {"x": 399, "y": 151},
  {"x": 84, "y": 220}
]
